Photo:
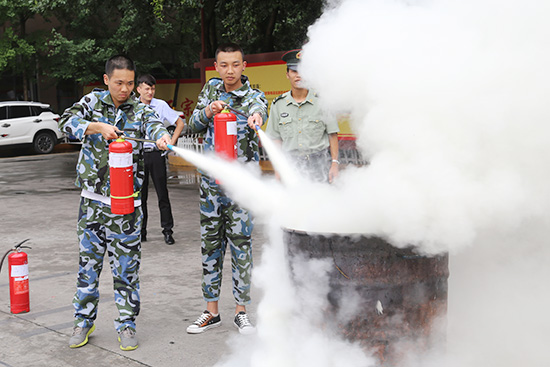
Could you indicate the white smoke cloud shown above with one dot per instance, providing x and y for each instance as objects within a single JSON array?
[
  {"x": 292, "y": 328},
  {"x": 448, "y": 99},
  {"x": 449, "y": 102}
]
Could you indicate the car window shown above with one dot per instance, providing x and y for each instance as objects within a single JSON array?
[
  {"x": 36, "y": 110},
  {"x": 3, "y": 113},
  {"x": 18, "y": 111}
]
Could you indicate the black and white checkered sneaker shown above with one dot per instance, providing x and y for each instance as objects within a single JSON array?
[{"x": 242, "y": 322}]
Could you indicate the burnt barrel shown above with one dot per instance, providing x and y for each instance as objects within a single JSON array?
[{"x": 403, "y": 294}]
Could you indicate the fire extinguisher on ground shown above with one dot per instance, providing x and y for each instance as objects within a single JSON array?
[
  {"x": 121, "y": 170},
  {"x": 19, "y": 278}
]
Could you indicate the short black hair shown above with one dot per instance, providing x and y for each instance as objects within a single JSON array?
[
  {"x": 119, "y": 62},
  {"x": 147, "y": 79},
  {"x": 229, "y": 47}
]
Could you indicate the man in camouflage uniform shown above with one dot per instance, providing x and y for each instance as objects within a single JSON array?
[
  {"x": 95, "y": 120},
  {"x": 297, "y": 121},
  {"x": 223, "y": 222}
]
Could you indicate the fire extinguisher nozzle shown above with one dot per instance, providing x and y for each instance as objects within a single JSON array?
[{"x": 170, "y": 146}]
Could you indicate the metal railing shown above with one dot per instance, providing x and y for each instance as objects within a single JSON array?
[{"x": 348, "y": 153}]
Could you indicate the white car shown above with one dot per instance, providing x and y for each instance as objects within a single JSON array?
[{"x": 29, "y": 123}]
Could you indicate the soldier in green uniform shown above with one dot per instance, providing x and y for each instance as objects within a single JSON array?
[
  {"x": 223, "y": 222},
  {"x": 298, "y": 123},
  {"x": 95, "y": 120}
]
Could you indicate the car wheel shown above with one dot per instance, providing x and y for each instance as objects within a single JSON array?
[{"x": 44, "y": 142}]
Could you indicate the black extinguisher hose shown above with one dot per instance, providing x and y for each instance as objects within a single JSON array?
[
  {"x": 235, "y": 111},
  {"x": 19, "y": 245},
  {"x": 121, "y": 134},
  {"x": 256, "y": 127}
]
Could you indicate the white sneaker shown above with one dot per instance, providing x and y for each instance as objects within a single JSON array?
[{"x": 205, "y": 321}]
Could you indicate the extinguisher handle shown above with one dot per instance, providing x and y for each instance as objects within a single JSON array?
[
  {"x": 235, "y": 111},
  {"x": 15, "y": 248},
  {"x": 20, "y": 244},
  {"x": 121, "y": 134}
]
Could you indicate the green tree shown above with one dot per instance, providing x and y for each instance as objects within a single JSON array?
[
  {"x": 163, "y": 40},
  {"x": 257, "y": 25},
  {"x": 162, "y": 36},
  {"x": 18, "y": 49},
  {"x": 266, "y": 26}
]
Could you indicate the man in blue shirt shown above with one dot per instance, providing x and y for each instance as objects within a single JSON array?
[{"x": 155, "y": 160}]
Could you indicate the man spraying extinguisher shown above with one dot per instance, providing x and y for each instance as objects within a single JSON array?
[
  {"x": 223, "y": 223},
  {"x": 101, "y": 228}
]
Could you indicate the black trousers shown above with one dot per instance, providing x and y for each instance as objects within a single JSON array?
[{"x": 155, "y": 166}]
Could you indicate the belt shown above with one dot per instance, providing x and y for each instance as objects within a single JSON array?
[
  {"x": 310, "y": 156},
  {"x": 150, "y": 149}
]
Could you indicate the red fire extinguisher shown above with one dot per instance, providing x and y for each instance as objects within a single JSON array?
[
  {"x": 225, "y": 135},
  {"x": 122, "y": 177},
  {"x": 19, "y": 278}
]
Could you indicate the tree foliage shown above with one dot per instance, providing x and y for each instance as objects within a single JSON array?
[
  {"x": 11, "y": 47},
  {"x": 257, "y": 25},
  {"x": 162, "y": 36},
  {"x": 75, "y": 59},
  {"x": 17, "y": 47},
  {"x": 265, "y": 26}
]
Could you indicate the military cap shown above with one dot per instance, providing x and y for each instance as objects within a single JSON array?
[{"x": 292, "y": 58}]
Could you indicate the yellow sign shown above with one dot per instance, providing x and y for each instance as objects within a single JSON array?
[
  {"x": 269, "y": 77},
  {"x": 188, "y": 92}
]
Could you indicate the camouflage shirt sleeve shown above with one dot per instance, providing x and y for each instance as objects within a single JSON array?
[
  {"x": 259, "y": 104},
  {"x": 198, "y": 122},
  {"x": 134, "y": 118},
  {"x": 75, "y": 119}
]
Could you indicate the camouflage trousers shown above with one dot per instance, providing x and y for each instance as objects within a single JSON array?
[
  {"x": 224, "y": 223},
  {"x": 100, "y": 231}
]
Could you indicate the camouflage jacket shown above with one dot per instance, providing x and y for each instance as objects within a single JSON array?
[
  {"x": 244, "y": 99},
  {"x": 135, "y": 118}
]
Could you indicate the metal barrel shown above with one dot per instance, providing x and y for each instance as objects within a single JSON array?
[{"x": 403, "y": 295}]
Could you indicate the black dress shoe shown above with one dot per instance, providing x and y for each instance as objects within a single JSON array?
[{"x": 169, "y": 239}]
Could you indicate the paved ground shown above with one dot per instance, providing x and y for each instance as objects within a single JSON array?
[
  {"x": 38, "y": 200},
  {"x": 503, "y": 277}
]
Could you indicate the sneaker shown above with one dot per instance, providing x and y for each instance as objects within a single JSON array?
[
  {"x": 242, "y": 322},
  {"x": 204, "y": 322},
  {"x": 80, "y": 336},
  {"x": 128, "y": 339}
]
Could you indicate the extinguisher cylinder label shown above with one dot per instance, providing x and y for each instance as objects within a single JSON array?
[
  {"x": 231, "y": 127},
  {"x": 21, "y": 285},
  {"x": 117, "y": 160},
  {"x": 19, "y": 270}
]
